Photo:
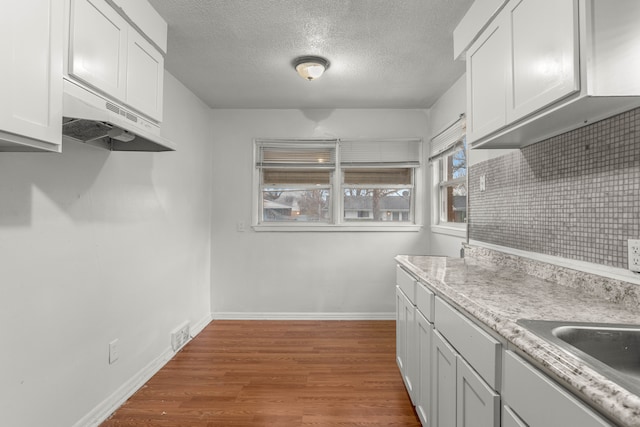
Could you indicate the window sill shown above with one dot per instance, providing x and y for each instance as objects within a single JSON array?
[
  {"x": 338, "y": 228},
  {"x": 450, "y": 230}
]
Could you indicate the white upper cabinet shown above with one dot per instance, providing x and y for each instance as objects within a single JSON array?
[
  {"x": 487, "y": 64},
  {"x": 31, "y": 38},
  {"x": 147, "y": 19},
  {"x": 566, "y": 63},
  {"x": 614, "y": 54},
  {"x": 544, "y": 54},
  {"x": 107, "y": 53},
  {"x": 98, "y": 46},
  {"x": 145, "y": 76}
]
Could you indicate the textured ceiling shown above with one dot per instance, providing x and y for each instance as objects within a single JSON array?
[{"x": 383, "y": 53}]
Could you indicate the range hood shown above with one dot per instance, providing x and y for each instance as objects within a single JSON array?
[{"x": 95, "y": 120}]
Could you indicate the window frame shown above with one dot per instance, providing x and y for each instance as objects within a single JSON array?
[
  {"x": 411, "y": 187},
  {"x": 338, "y": 221},
  {"x": 443, "y": 145}
]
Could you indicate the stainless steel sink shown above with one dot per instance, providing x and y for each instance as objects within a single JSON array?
[{"x": 612, "y": 350}]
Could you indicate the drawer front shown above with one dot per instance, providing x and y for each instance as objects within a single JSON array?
[
  {"x": 407, "y": 283},
  {"x": 477, "y": 347},
  {"x": 539, "y": 401},
  {"x": 424, "y": 301}
]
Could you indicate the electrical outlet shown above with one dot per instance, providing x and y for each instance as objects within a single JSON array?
[
  {"x": 114, "y": 352},
  {"x": 180, "y": 336},
  {"x": 634, "y": 255}
]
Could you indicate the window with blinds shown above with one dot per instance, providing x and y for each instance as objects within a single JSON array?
[
  {"x": 296, "y": 180},
  {"x": 378, "y": 180},
  {"x": 448, "y": 158},
  {"x": 337, "y": 181}
]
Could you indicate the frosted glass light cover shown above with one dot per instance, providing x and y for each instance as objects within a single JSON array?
[
  {"x": 310, "y": 70},
  {"x": 310, "y": 67}
]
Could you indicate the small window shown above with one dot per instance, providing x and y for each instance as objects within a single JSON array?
[
  {"x": 452, "y": 183},
  {"x": 296, "y": 182},
  {"x": 449, "y": 166},
  {"x": 343, "y": 183},
  {"x": 374, "y": 194}
]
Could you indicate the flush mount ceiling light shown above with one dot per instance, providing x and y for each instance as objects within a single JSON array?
[{"x": 310, "y": 67}]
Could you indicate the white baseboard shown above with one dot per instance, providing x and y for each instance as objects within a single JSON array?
[
  {"x": 302, "y": 316},
  {"x": 197, "y": 327},
  {"x": 101, "y": 412}
]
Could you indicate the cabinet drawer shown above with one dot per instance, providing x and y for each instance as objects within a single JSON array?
[
  {"x": 477, "y": 347},
  {"x": 539, "y": 401},
  {"x": 407, "y": 283},
  {"x": 424, "y": 301}
]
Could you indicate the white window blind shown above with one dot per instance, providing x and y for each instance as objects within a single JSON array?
[
  {"x": 377, "y": 176},
  {"x": 296, "y": 154},
  {"x": 449, "y": 138},
  {"x": 380, "y": 153}
]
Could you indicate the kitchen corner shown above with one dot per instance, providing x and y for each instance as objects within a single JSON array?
[{"x": 496, "y": 289}]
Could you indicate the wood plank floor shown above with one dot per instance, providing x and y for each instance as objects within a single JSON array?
[{"x": 277, "y": 373}]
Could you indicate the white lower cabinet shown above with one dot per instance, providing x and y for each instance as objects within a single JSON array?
[
  {"x": 461, "y": 398},
  {"x": 406, "y": 342},
  {"x": 526, "y": 391},
  {"x": 459, "y": 375},
  {"x": 401, "y": 330},
  {"x": 444, "y": 387},
  {"x": 477, "y": 403},
  {"x": 443, "y": 376},
  {"x": 510, "y": 419},
  {"x": 424, "y": 332}
]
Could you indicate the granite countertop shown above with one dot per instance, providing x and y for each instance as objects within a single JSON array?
[{"x": 500, "y": 293}]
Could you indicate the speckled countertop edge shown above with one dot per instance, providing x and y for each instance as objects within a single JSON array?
[{"x": 499, "y": 295}]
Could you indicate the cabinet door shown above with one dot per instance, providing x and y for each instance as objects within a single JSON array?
[
  {"x": 31, "y": 84},
  {"x": 615, "y": 29},
  {"x": 98, "y": 46},
  {"x": 410, "y": 374},
  {"x": 545, "y": 54},
  {"x": 487, "y": 67},
  {"x": 401, "y": 327},
  {"x": 145, "y": 76},
  {"x": 443, "y": 381},
  {"x": 473, "y": 344},
  {"x": 510, "y": 419},
  {"x": 477, "y": 403},
  {"x": 424, "y": 329}
]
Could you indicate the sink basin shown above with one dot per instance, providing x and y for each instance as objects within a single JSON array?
[{"x": 613, "y": 350}]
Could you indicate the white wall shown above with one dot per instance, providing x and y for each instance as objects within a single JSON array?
[
  {"x": 449, "y": 106},
  {"x": 254, "y": 273},
  {"x": 97, "y": 246}
]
